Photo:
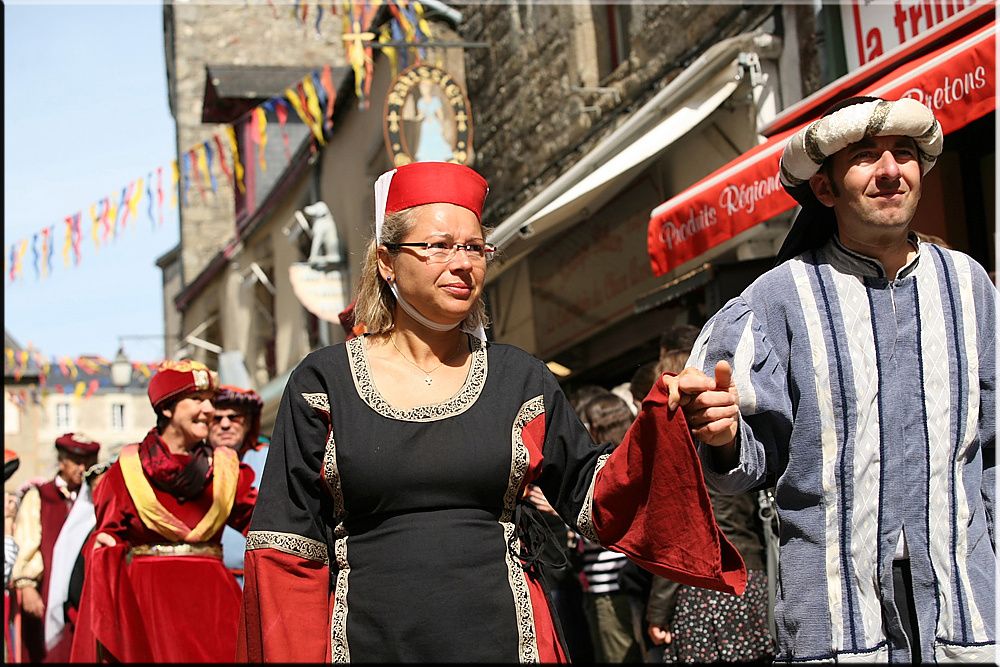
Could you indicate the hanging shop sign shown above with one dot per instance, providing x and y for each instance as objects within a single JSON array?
[
  {"x": 874, "y": 28},
  {"x": 320, "y": 291},
  {"x": 956, "y": 81},
  {"x": 427, "y": 118}
]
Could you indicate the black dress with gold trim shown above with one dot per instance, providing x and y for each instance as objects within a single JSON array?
[{"x": 389, "y": 535}]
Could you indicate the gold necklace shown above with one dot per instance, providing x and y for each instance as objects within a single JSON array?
[{"x": 428, "y": 380}]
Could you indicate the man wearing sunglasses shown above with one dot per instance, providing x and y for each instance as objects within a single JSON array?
[{"x": 236, "y": 425}]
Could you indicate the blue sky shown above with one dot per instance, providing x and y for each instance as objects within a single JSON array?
[{"x": 86, "y": 113}]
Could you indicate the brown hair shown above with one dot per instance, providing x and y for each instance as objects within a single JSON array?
[
  {"x": 672, "y": 362},
  {"x": 608, "y": 418},
  {"x": 375, "y": 306},
  {"x": 643, "y": 380}
]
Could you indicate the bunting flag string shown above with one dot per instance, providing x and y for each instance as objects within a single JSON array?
[
  {"x": 313, "y": 99},
  {"x": 81, "y": 376}
]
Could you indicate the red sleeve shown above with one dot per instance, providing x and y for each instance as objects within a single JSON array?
[
  {"x": 246, "y": 498},
  {"x": 113, "y": 505},
  {"x": 286, "y": 613},
  {"x": 651, "y": 504}
]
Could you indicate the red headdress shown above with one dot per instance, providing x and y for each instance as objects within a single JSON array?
[
  {"x": 174, "y": 378},
  {"x": 77, "y": 443},
  {"x": 421, "y": 183},
  {"x": 244, "y": 400}
]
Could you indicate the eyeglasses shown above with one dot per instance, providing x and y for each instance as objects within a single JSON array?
[
  {"x": 438, "y": 252},
  {"x": 233, "y": 418}
]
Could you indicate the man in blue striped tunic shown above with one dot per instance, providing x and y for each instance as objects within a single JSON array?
[{"x": 859, "y": 377}]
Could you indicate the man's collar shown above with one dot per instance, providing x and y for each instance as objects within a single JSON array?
[
  {"x": 851, "y": 261},
  {"x": 63, "y": 487}
]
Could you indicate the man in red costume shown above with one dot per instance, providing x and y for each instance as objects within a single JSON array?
[
  {"x": 155, "y": 588},
  {"x": 41, "y": 515}
]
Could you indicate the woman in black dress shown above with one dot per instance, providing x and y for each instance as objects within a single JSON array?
[{"x": 386, "y": 527}]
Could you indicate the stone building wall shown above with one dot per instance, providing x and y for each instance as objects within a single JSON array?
[
  {"x": 532, "y": 124},
  {"x": 255, "y": 33}
]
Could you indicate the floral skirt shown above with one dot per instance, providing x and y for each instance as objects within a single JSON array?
[{"x": 710, "y": 626}]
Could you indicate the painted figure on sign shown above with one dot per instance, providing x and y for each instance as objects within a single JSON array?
[{"x": 432, "y": 145}]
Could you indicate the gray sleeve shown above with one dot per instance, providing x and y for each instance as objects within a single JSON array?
[{"x": 737, "y": 336}]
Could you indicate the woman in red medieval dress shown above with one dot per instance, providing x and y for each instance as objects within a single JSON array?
[
  {"x": 388, "y": 523},
  {"x": 155, "y": 587}
]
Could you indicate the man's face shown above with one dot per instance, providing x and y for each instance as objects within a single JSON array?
[
  {"x": 872, "y": 185},
  {"x": 72, "y": 467},
  {"x": 229, "y": 427}
]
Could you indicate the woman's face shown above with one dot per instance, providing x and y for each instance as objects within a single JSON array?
[
  {"x": 192, "y": 415},
  {"x": 445, "y": 292}
]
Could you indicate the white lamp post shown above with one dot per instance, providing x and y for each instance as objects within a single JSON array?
[{"x": 121, "y": 369}]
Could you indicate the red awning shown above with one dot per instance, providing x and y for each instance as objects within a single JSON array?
[{"x": 957, "y": 81}]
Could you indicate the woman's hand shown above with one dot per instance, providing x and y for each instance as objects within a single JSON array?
[
  {"x": 659, "y": 634},
  {"x": 103, "y": 540},
  {"x": 538, "y": 499}
]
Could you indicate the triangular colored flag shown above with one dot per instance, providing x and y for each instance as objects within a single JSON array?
[
  {"x": 95, "y": 223},
  {"x": 201, "y": 157},
  {"x": 176, "y": 179},
  {"x": 134, "y": 199},
  {"x": 331, "y": 98},
  {"x": 77, "y": 237},
  {"x": 123, "y": 205},
  {"x": 312, "y": 103},
  {"x": 219, "y": 151},
  {"x": 208, "y": 166},
  {"x": 50, "y": 244},
  {"x": 34, "y": 255},
  {"x": 149, "y": 200},
  {"x": 68, "y": 243},
  {"x": 261, "y": 126},
  {"x": 234, "y": 151},
  {"x": 281, "y": 111}
]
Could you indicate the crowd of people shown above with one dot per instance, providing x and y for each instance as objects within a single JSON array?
[{"x": 430, "y": 495}]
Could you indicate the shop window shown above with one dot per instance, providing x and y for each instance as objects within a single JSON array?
[
  {"x": 611, "y": 29},
  {"x": 63, "y": 416},
  {"x": 118, "y": 417}
]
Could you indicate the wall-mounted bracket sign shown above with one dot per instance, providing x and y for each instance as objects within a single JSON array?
[{"x": 427, "y": 118}]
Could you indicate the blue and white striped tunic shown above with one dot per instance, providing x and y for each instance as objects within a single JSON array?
[{"x": 871, "y": 402}]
